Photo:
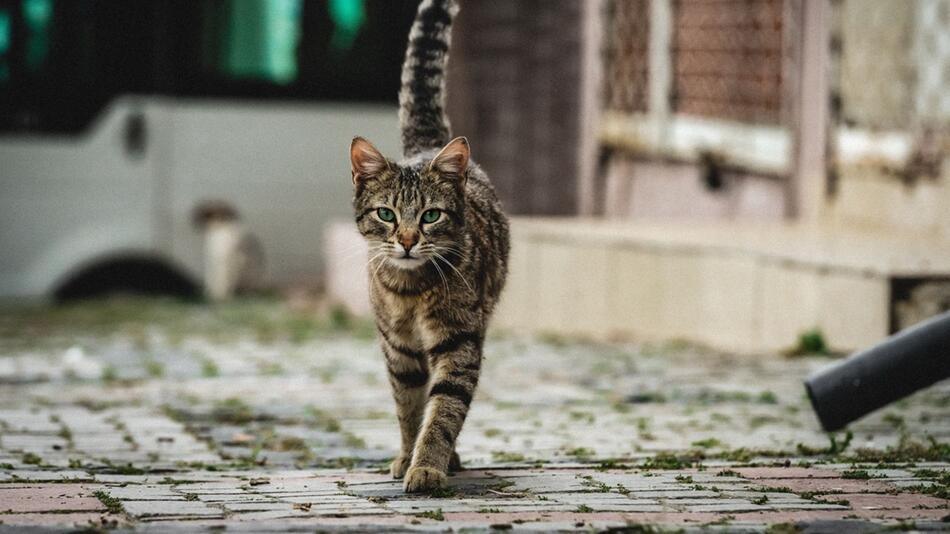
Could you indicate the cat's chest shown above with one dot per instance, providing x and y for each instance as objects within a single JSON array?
[{"x": 408, "y": 318}]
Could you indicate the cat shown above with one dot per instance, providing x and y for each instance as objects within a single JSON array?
[{"x": 438, "y": 244}]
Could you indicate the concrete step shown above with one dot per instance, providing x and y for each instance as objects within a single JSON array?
[{"x": 738, "y": 287}]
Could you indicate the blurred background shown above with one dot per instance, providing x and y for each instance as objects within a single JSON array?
[{"x": 753, "y": 175}]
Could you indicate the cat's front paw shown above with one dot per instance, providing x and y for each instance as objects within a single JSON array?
[
  {"x": 421, "y": 479},
  {"x": 399, "y": 466}
]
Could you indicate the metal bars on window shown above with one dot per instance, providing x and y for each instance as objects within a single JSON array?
[{"x": 725, "y": 58}]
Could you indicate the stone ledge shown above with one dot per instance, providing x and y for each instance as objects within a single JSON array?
[{"x": 734, "y": 287}]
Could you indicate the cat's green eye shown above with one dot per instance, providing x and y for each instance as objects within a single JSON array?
[
  {"x": 430, "y": 216},
  {"x": 386, "y": 214}
]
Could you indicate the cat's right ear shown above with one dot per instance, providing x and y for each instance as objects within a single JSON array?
[{"x": 365, "y": 161}]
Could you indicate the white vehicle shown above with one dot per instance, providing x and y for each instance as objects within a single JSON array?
[{"x": 117, "y": 118}]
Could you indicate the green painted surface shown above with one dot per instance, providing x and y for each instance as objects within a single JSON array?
[
  {"x": 38, "y": 14},
  {"x": 261, "y": 39},
  {"x": 348, "y": 17}
]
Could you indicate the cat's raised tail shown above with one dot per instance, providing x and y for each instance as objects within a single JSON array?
[{"x": 422, "y": 117}]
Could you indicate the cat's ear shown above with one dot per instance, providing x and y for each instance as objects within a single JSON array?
[
  {"x": 452, "y": 160},
  {"x": 365, "y": 160}
]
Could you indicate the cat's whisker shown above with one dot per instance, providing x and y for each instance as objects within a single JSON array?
[
  {"x": 376, "y": 253},
  {"x": 461, "y": 256},
  {"x": 374, "y": 257},
  {"x": 381, "y": 263},
  {"x": 446, "y": 248},
  {"x": 370, "y": 261},
  {"x": 447, "y": 262},
  {"x": 360, "y": 248},
  {"x": 357, "y": 247},
  {"x": 428, "y": 247},
  {"x": 354, "y": 251},
  {"x": 445, "y": 282}
]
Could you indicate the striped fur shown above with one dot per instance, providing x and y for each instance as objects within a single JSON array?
[
  {"x": 422, "y": 95},
  {"x": 433, "y": 285}
]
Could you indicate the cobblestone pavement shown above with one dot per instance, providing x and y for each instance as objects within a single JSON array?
[{"x": 160, "y": 416}]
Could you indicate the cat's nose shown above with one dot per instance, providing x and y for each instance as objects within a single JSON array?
[{"x": 408, "y": 240}]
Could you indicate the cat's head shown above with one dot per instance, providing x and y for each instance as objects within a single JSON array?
[{"x": 414, "y": 212}]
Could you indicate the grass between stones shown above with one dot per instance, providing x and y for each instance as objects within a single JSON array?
[
  {"x": 939, "y": 486},
  {"x": 435, "y": 515},
  {"x": 902, "y": 455},
  {"x": 111, "y": 503}
]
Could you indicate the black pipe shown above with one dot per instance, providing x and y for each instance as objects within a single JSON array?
[{"x": 900, "y": 365}]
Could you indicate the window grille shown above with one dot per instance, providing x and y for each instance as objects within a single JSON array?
[
  {"x": 627, "y": 42},
  {"x": 727, "y": 59}
]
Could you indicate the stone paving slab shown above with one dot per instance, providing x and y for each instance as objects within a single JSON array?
[
  {"x": 16, "y": 522},
  {"x": 159, "y": 425},
  {"x": 830, "y": 485},
  {"x": 59, "y": 498},
  {"x": 171, "y": 509}
]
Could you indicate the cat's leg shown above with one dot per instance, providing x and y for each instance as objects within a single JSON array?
[
  {"x": 408, "y": 376},
  {"x": 455, "y": 364}
]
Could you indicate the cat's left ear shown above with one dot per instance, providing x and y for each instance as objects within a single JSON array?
[
  {"x": 452, "y": 160},
  {"x": 365, "y": 160}
]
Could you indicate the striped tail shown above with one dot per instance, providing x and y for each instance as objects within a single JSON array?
[{"x": 422, "y": 95}]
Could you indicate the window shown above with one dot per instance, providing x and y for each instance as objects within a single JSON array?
[
  {"x": 62, "y": 61},
  {"x": 727, "y": 59},
  {"x": 688, "y": 79},
  {"x": 627, "y": 55}
]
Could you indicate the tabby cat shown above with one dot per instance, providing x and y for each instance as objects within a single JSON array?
[{"x": 438, "y": 245}]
